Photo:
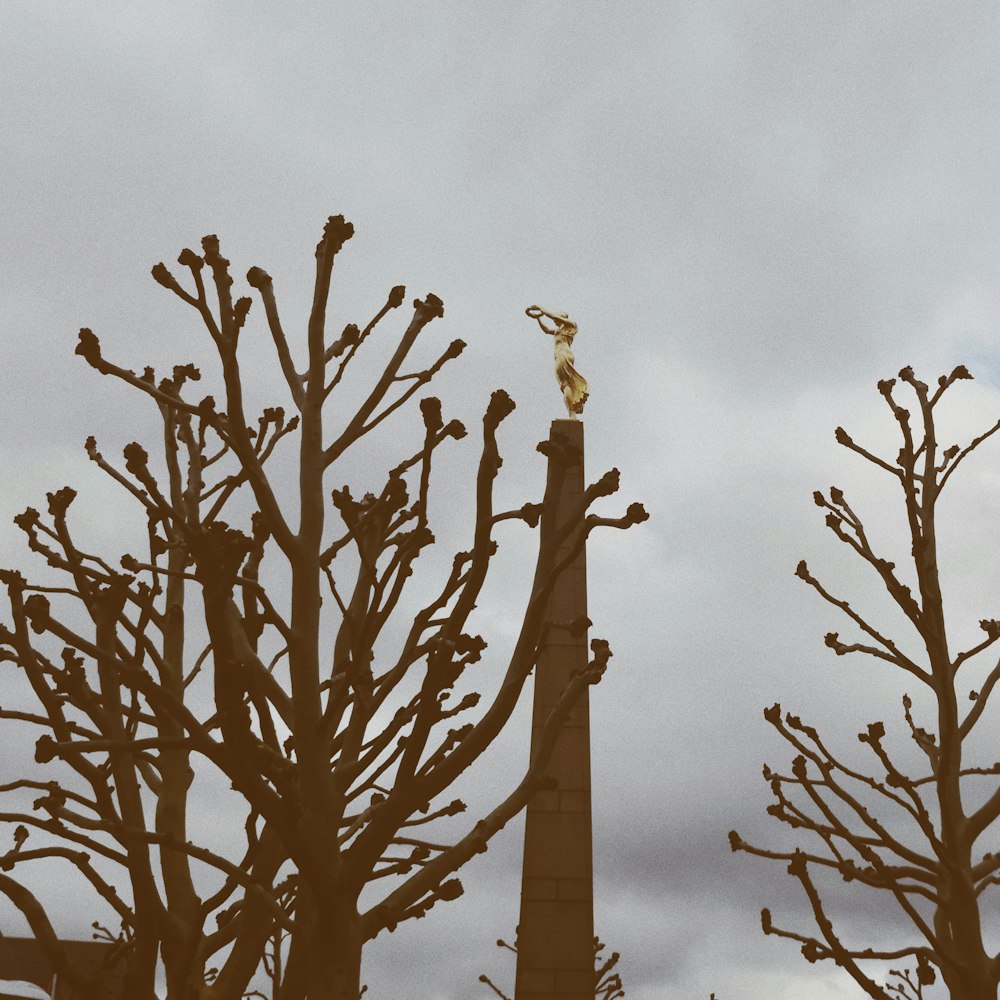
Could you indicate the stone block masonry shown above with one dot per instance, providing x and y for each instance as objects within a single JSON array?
[{"x": 555, "y": 943}]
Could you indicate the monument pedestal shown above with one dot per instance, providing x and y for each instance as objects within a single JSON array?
[{"x": 555, "y": 942}]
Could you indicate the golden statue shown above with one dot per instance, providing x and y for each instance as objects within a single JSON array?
[{"x": 571, "y": 382}]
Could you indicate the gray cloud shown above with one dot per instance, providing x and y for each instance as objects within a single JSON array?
[{"x": 753, "y": 211}]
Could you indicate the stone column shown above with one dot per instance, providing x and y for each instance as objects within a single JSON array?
[{"x": 555, "y": 942}]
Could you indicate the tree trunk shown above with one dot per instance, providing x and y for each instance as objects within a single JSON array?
[
  {"x": 324, "y": 960},
  {"x": 964, "y": 987}
]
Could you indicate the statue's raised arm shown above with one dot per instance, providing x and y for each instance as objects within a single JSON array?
[{"x": 572, "y": 384}]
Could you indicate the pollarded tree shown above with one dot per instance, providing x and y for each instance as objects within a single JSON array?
[
  {"x": 607, "y": 982},
  {"x": 322, "y": 717},
  {"x": 916, "y": 838}
]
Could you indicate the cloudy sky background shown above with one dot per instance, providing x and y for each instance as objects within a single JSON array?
[{"x": 752, "y": 210}]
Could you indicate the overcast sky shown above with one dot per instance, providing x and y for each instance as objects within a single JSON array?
[{"x": 753, "y": 211}]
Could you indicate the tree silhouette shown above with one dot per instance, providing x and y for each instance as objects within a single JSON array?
[
  {"x": 912, "y": 837},
  {"x": 302, "y": 693},
  {"x": 607, "y": 982}
]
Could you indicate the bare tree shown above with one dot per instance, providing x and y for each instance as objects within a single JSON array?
[
  {"x": 912, "y": 837},
  {"x": 607, "y": 982},
  {"x": 608, "y": 985},
  {"x": 322, "y": 718}
]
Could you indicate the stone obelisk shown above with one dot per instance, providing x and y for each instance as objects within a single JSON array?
[{"x": 555, "y": 941}]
